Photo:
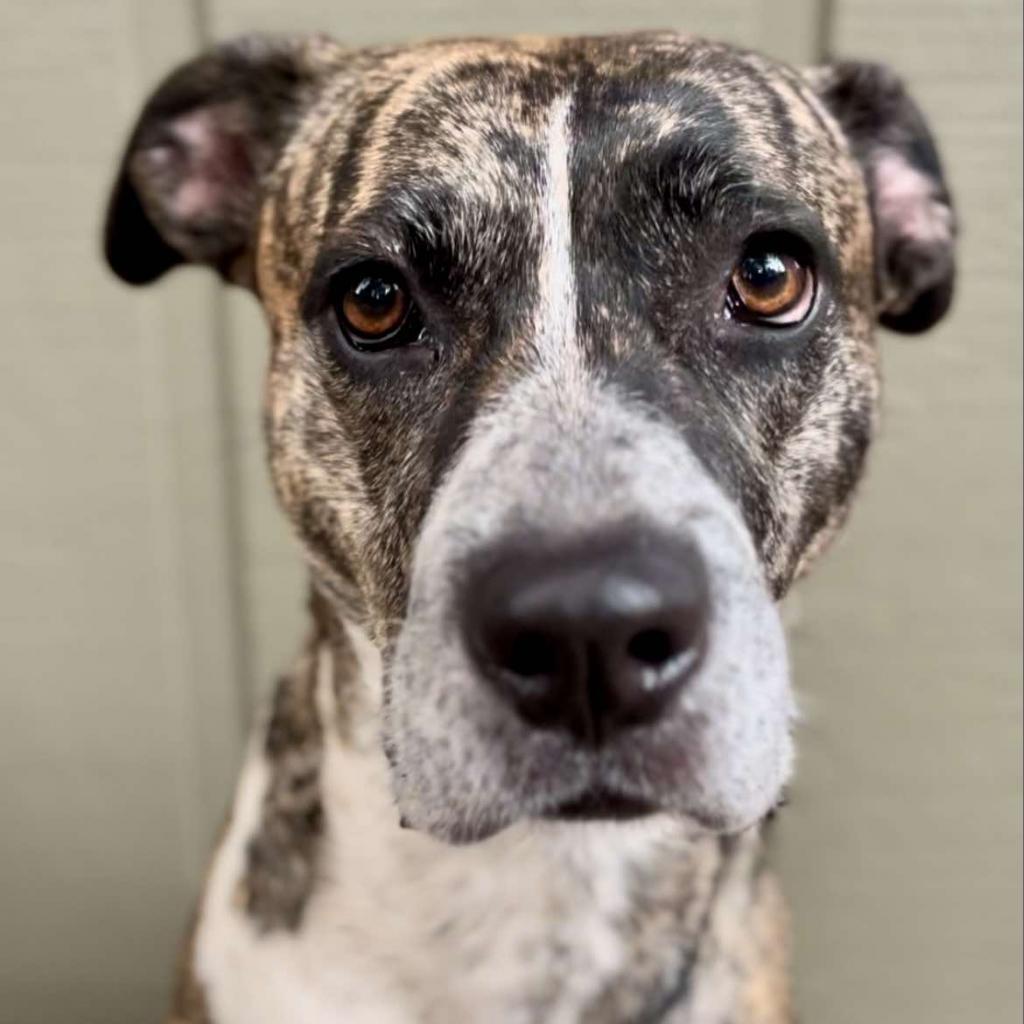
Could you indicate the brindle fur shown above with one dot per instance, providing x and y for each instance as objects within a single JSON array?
[{"x": 432, "y": 156}]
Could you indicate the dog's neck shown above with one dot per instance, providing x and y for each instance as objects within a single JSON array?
[{"x": 640, "y": 921}]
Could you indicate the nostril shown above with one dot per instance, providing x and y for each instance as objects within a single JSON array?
[
  {"x": 530, "y": 654},
  {"x": 652, "y": 647}
]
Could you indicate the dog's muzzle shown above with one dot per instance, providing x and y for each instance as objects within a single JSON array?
[{"x": 588, "y": 630}]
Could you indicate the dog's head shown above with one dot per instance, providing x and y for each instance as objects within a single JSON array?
[{"x": 572, "y": 373}]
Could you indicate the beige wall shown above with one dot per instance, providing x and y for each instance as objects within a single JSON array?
[{"x": 148, "y": 590}]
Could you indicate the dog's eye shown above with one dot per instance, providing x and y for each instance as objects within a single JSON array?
[
  {"x": 770, "y": 285},
  {"x": 372, "y": 307}
]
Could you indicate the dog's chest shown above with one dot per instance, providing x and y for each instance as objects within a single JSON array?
[{"x": 399, "y": 928}]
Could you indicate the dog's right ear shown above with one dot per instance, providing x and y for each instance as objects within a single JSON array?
[
  {"x": 190, "y": 184},
  {"x": 915, "y": 228}
]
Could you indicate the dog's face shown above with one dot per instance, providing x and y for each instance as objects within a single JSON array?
[{"x": 572, "y": 373}]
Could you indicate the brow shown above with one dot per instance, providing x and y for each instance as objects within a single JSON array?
[{"x": 435, "y": 234}]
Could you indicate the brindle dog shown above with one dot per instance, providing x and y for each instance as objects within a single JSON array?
[{"x": 572, "y": 374}]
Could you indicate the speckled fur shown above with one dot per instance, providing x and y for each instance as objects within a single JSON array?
[{"x": 566, "y": 212}]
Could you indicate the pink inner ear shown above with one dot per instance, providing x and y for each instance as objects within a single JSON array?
[
  {"x": 205, "y": 168},
  {"x": 905, "y": 201}
]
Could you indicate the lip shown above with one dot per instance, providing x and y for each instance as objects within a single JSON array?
[{"x": 601, "y": 805}]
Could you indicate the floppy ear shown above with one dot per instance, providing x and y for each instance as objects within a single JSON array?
[
  {"x": 190, "y": 182},
  {"x": 910, "y": 205}
]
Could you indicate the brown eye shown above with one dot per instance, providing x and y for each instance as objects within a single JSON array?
[
  {"x": 771, "y": 286},
  {"x": 372, "y": 307}
]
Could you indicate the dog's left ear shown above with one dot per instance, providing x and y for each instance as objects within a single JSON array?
[
  {"x": 190, "y": 184},
  {"x": 910, "y": 204}
]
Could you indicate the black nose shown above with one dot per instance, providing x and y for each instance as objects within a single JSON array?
[{"x": 591, "y": 638}]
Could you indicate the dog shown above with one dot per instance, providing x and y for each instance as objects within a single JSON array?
[{"x": 573, "y": 372}]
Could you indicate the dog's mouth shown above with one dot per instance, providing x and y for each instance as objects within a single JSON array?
[{"x": 601, "y": 804}]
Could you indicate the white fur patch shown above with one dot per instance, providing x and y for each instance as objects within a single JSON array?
[
  {"x": 555, "y": 321},
  {"x": 402, "y": 929}
]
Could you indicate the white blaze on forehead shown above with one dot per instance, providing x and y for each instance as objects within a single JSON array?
[{"x": 555, "y": 324}]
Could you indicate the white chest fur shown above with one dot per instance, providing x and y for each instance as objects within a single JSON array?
[{"x": 400, "y": 928}]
